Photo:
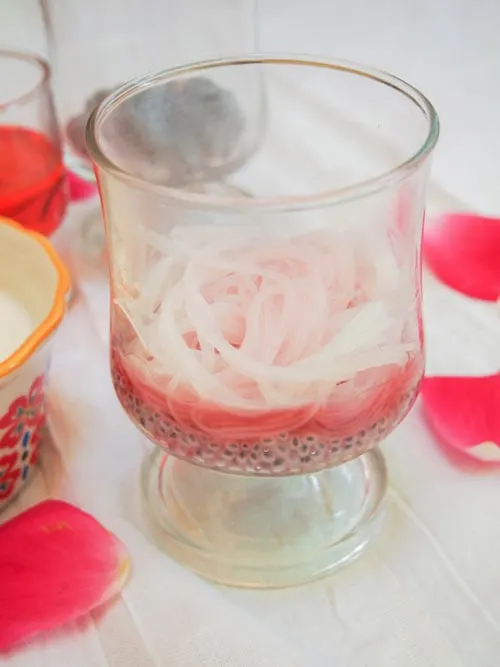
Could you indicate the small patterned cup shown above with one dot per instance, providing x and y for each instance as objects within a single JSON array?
[{"x": 32, "y": 274}]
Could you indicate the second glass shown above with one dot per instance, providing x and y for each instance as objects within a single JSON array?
[
  {"x": 97, "y": 45},
  {"x": 266, "y": 337}
]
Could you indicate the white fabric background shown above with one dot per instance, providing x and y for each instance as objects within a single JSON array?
[{"x": 428, "y": 593}]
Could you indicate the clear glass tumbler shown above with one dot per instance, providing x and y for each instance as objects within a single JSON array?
[
  {"x": 97, "y": 45},
  {"x": 266, "y": 337},
  {"x": 32, "y": 174}
]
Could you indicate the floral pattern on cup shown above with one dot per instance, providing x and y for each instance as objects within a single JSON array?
[{"x": 20, "y": 429}]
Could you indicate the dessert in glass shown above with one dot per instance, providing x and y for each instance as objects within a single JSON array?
[{"x": 266, "y": 333}]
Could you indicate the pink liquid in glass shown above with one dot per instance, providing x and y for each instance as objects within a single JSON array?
[{"x": 357, "y": 416}]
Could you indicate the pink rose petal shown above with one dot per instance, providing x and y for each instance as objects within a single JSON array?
[
  {"x": 79, "y": 188},
  {"x": 464, "y": 412},
  {"x": 56, "y": 564},
  {"x": 463, "y": 251}
]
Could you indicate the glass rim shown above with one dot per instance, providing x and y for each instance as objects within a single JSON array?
[
  {"x": 332, "y": 196},
  {"x": 33, "y": 59}
]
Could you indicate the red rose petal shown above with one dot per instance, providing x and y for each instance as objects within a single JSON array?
[
  {"x": 56, "y": 564},
  {"x": 464, "y": 412},
  {"x": 463, "y": 251}
]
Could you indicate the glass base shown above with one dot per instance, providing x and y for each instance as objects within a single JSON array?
[
  {"x": 92, "y": 234},
  {"x": 77, "y": 162},
  {"x": 260, "y": 532}
]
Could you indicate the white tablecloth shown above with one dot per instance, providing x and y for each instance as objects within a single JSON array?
[{"x": 428, "y": 592}]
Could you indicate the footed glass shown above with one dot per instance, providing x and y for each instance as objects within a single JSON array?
[
  {"x": 97, "y": 45},
  {"x": 266, "y": 328}
]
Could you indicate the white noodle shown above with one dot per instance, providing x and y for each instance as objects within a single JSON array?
[{"x": 249, "y": 323}]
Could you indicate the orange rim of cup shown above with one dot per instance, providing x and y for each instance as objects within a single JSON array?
[{"x": 57, "y": 311}]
